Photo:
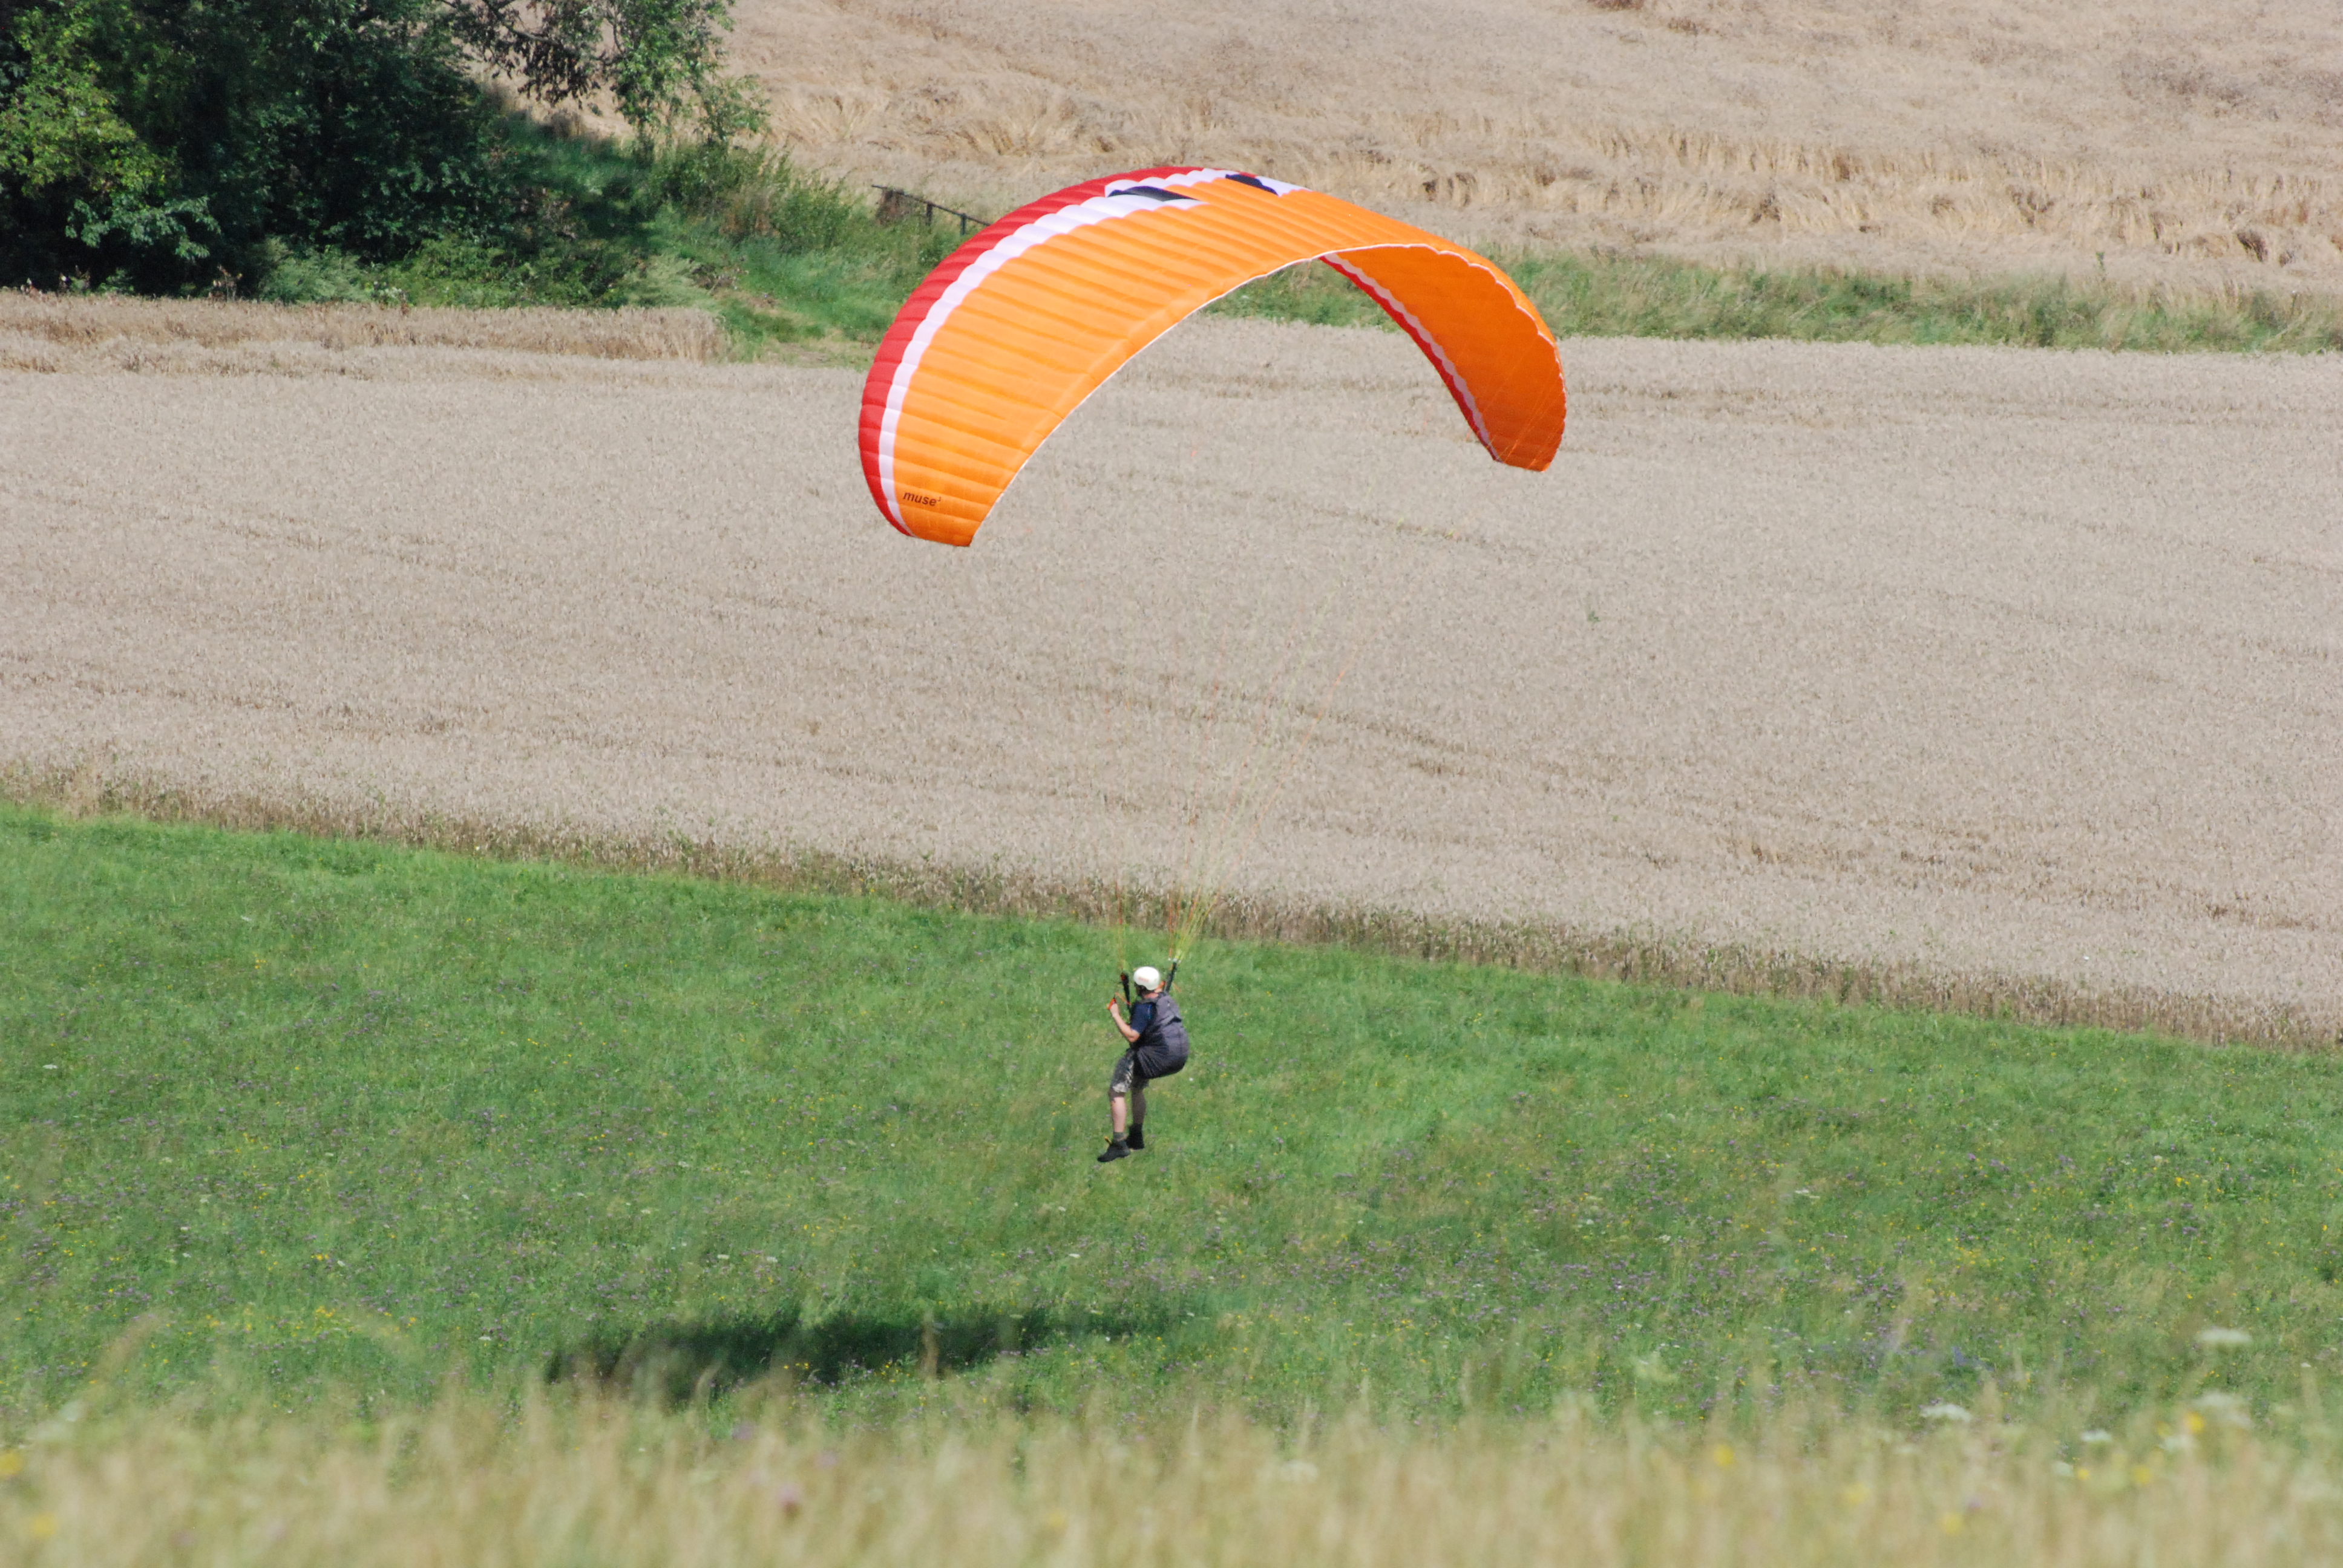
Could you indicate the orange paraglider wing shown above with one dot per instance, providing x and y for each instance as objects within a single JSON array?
[{"x": 1029, "y": 317}]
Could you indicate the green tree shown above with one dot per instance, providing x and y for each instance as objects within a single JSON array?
[
  {"x": 159, "y": 145},
  {"x": 76, "y": 178},
  {"x": 658, "y": 60}
]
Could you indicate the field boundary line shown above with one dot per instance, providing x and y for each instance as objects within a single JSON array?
[{"x": 1654, "y": 957}]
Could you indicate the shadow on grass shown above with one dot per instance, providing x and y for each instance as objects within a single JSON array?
[{"x": 682, "y": 1361}]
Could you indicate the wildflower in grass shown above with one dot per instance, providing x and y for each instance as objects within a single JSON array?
[
  {"x": 1951, "y": 1414},
  {"x": 2218, "y": 1406},
  {"x": 2098, "y": 1437},
  {"x": 2223, "y": 1339}
]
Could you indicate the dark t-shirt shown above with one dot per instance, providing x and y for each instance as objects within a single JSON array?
[{"x": 1142, "y": 1018}]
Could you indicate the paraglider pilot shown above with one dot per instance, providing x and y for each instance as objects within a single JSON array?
[{"x": 1157, "y": 1044}]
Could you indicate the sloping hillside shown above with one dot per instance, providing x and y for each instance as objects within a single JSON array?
[
  {"x": 2184, "y": 145},
  {"x": 309, "y": 1112}
]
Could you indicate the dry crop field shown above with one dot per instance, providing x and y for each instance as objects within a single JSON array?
[
  {"x": 2168, "y": 144},
  {"x": 55, "y": 333},
  {"x": 1972, "y": 676}
]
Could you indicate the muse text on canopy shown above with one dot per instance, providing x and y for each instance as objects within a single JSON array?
[{"x": 1029, "y": 317}]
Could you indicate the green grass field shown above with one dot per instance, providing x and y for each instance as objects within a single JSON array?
[
  {"x": 296, "y": 1116},
  {"x": 1595, "y": 295}
]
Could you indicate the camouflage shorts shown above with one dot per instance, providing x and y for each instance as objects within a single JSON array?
[{"x": 1140, "y": 1064}]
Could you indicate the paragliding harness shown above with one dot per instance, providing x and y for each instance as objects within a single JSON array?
[{"x": 1161, "y": 1048}]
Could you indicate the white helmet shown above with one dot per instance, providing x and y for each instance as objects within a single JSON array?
[{"x": 1145, "y": 978}]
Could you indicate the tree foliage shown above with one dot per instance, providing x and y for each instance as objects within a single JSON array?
[
  {"x": 172, "y": 145},
  {"x": 656, "y": 59}
]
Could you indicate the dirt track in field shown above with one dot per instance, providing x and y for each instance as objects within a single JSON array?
[{"x": 1983, "y": 663}]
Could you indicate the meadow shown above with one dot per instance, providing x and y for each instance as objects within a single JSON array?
[
  {"x": 322, "y": 1124},
  {"x": 1599, "y": 295},
  {"x": 547, "y": 1478},
  {"x": 373, "y": 1205}
]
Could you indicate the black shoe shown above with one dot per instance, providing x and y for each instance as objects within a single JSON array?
[
  {"x": 1138, "y": 1139},
  {"x": 1117, "y": 1149}
]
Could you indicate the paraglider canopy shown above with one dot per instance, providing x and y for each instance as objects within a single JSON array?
[{"x": 1030, "y": 316}]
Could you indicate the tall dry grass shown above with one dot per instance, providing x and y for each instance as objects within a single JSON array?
[
  {"x": 541, "y": 1481},
  {"x": 2157, "y": 145},
  {"x": 50, "y": 332}
]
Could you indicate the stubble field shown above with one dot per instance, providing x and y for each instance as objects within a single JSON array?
[
  {"x": 2159, "y": 143},
  {"x": 1988, "y": 678}
]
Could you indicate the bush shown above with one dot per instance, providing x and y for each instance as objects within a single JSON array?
[
  {"x": 325, "y": 276},
  {"x": 171, "y": 146}
]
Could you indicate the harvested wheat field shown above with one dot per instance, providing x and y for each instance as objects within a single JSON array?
[
  {"x": 2170, "y": 144},
  {"x": 2011, "y": 677}
]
